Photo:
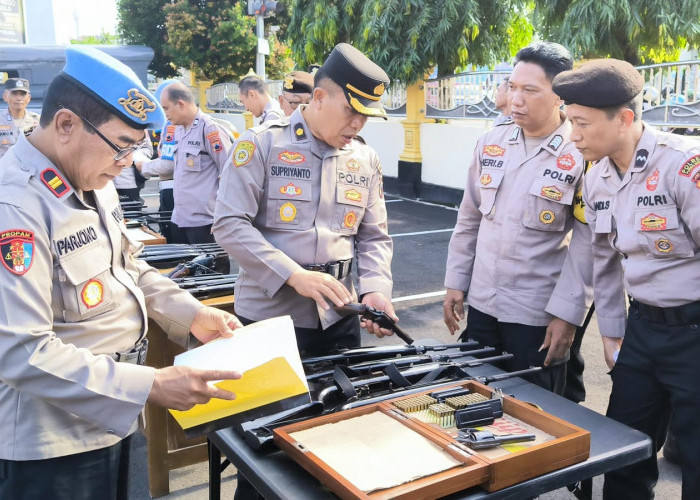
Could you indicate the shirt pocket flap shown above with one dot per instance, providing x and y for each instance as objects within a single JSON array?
[
  {"x": 287, "y": 189},
  {"x": 491, "y": 179},
  {"x": 603, "y": 223},
  {"x": 352, "y": 195},
  {"x": 81, "y": 267},
  {"x": 656, "y": 219},
  {"x": 553, "y": 191}
]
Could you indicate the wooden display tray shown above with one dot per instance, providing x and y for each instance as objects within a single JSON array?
[{"x": 571, "y": 444}]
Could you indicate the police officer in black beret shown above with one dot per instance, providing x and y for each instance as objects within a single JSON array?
[
  {"x": 296, "y": 90},
  {"x": 643, "y": 207}
]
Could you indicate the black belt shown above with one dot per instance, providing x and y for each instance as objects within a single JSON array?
[
  {"x": 135, "y": 356},
  {"x": 338, "y": 270},
  {"x": 687, "y": 314}
]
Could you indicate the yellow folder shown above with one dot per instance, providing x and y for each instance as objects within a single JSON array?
[{"x": 268, "y": 383}]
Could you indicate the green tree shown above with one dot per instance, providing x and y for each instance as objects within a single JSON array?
[
  {"x": 409, "y": 37},
  {"x": 103, "y": 38},
  {"x": 638, "y": 31},
  {"x": 143, "y": 23}
]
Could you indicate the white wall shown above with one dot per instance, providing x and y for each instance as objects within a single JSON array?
[
  {"x": 447, "y": 150},
  {"x": 39, "y": 22},
  {"x": 386, "y": 137}
]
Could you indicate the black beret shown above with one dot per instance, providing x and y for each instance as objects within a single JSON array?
[
  {"x": 298, "y": 82},
  {"x": 601, "y": 83},
  {"x": 362, "y": 80}
]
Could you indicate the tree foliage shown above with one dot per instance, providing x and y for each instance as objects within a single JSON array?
[
  {"x": 409, "y": 37},
  {"x": 143, "y": 23},
  {"x": 639, "y": 31}
]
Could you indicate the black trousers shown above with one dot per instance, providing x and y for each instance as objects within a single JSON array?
[
  {"x": 574, "y": 389},
  {"x": 190, "y": 235},
  {"x": 523, "y": 341},
  {"x": 167, "y": 203},
  {"x": 657, "y": 372},
  {"x": 102, "y": 474},
  {"x": 311, "y": 342}
]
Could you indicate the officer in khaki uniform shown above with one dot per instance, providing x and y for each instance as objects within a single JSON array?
[
  {"x": 15, "y": 120},
  {"x": 256, "y": 99},
  {"x": 507, "y": 253},
  {"x": 300, "y": 201},
  {"x": 202, "y": 148},
  {"x": 75, "y": 300},
  {"x": 643, "y": 206}
]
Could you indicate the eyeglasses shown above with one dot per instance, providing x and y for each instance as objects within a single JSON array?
[
  {"x": 293, "y": 104},
  {"x": 121, "y": 153}
]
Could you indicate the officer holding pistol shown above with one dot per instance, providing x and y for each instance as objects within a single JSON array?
[
  {"x": 76, "y": 300},
  {"x": 301, "y": 200},
  {"x": 642, "y": 204}
]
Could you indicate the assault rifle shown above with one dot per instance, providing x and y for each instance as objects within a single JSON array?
[
  {"x": 349, "y": 356},
  {"x": 367, "y": 367},
  {"x": 208, "y": 286}
]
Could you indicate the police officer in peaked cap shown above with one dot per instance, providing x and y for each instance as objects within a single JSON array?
[
  {"x": 643, "y": 205},
  {"x": 76, "y": 301}
]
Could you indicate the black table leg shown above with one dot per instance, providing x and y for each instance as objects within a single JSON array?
[{"x": 214, "y": 471}]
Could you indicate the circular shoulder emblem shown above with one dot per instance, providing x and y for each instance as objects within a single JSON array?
[
  {"x": 243, "y": 153},
  {"x": 546, "y": 216},
  {"x": 664, "y": 245},
  {"x": 350, "y": 219}
]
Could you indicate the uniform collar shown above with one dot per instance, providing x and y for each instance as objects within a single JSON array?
[
  {"x": 555, "y": 142},
  {"x": 198, "y": 117},
  {"x": 300, "y": 133},
  {"x": 643, "y": 151}
]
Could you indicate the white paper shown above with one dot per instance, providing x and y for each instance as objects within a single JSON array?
[{"x": 249, "y": 347}]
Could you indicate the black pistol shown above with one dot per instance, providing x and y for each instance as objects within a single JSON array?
[{"x": 376, "y": 316}]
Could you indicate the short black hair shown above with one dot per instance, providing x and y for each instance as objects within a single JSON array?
[
  {"x": 178, "y": 92},
  {"x": 552, "y": 57},
  {"x": 252, "y": 82},
  {"x": 64, "y": 93},
  {"x": 635, "y": 104}
]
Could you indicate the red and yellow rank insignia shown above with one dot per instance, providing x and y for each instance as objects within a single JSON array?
[
  {"x": 243, "y": 153},
  {"x": 288, "y": 212},
  {"x": 493, "y": 150},
  {"x": 653, "y": 181},
  {"x": 653, "y": 222},
  {"x": 353, "y": 165},
  {"x": 566, "y": 162},
  {"x": 552, "y": 193},
  {"x": 92, "y": 293},
  {"x": 54, "y": 182},
  {"x": 214, "y": 140},
  {"x": 353, "y": 195},
  {"x": 17, "y": 247},
  {"x": 350, "y": 219},
  {"x": 663, "y": 245},
  {"x": 169, "y": 133},
  {"x": 546, "y": 216},
  {"x": 688, "y": 167},
  {"x": 485, "y": 179},
  {"x": 291, "y": 157},
  {"x": 290, "y": 190}
]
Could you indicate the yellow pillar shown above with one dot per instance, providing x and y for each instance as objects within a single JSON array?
[
  {"x": 201, "y": 87},
  {"x": 248, "y": 117},
  {"x": 415, "y": 115}
]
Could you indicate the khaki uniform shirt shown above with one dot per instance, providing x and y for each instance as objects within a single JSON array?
[
  {"x": 11, "y": 129},
  {"x": 201, "y": 151},
  {"x": 287, "y": 200},
  {"x": 646, "y": 228},
  {"x": 271, "y": 112},
  {"x": 72, "y": 294},
  {"x": 508, "y": 248}
]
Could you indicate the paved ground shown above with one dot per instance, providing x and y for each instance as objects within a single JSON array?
[{"x": 421, "y": 233}]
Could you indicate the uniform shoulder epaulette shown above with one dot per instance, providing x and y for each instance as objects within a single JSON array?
[
  {"x": 361, "y": 139},
  {"x": 507, "y": 120}
]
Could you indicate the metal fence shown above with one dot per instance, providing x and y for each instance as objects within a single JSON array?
[{"x": 671, "y": 95}]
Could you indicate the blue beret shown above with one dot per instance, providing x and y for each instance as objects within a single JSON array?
[{"x": 113, "y": 84}]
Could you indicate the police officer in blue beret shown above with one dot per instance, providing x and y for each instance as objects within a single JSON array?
[{"x": 76, "y": 301}]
